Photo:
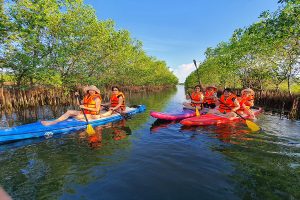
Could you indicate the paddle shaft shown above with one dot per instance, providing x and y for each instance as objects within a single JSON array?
[
  {"x": 198, "y": 75},
  {"x": 231, "y": 110},
  {"x": 87, "y": 121}
]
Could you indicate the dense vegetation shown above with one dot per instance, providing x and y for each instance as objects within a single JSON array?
[
  {"x": 62, "y": 43},
  {"x": 264, "y": 55}
]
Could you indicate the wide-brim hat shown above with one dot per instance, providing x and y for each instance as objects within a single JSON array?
[
  {"x": 247, "y": 90},
  {"x": 91, "y": 87},
  {"x": 212, "y": 86}
]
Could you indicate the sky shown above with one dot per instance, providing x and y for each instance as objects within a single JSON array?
[{"x": 179, "y": 31}]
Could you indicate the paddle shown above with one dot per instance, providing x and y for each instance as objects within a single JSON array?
[
  {"x": 198, "y": 75},
  {"x": 197, "y": 111},
  {"x": 124, "y": 115},
  {"x": 250, "y": 124},
  {"x": 89, "y": 129}
]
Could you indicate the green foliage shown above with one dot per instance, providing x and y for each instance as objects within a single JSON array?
[
  {"x": 263, "y": 55},
  {"x": 59, "y": 42}
]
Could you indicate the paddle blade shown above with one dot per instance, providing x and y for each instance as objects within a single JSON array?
[
  {"x": 90, "y": 130},
  {"x": 197, "y": 112},
  {"x": 252, "y": 125}
]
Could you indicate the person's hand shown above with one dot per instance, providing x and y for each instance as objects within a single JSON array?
[
  {"x": 82, "y": 106},
  {"x": 76, "y": 94}
]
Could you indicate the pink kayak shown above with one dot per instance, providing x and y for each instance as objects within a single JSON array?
[
  {"x": 173, "y": 116},
  {"x": 212, "y": 119}
]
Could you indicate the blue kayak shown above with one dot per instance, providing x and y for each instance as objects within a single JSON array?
[{"x": 36, "y": 129}]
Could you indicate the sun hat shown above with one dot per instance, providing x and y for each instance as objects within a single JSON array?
[
  {"x": 91, "y": 87},
  {"x": 212, "y": 86},
  {"x": 247, "y": 90}
]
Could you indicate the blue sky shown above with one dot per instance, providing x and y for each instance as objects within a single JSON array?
[{"x": 180, "y": 31}]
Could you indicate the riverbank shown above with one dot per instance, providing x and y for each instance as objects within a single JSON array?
[{"x": 14, "y": 99}]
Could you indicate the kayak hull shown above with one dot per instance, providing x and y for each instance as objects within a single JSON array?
[
  {"x": 212, "y": 119},
  {"x": 36, "y": 129},
  {"x": 173, "y": 116}
]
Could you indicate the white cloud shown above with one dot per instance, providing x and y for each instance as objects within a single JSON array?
[{"x": 183, "y": 71}]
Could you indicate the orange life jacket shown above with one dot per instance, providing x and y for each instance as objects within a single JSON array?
[
  {"x": 114, "y": 100},
  {"x": 196, "y": 97},
  {"x": 209, "y": 97},
  {"x": 229, "y": 103},
  {"x": 247, "y": 101},
  {"x": 89, "y": 101}
]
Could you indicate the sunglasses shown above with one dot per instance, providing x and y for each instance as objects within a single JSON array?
[{"x": 115, "y": 90}]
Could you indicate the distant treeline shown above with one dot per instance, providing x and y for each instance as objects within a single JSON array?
[
  {"x": 62, "y": 43},
  {"x": 263, "y": 56}
]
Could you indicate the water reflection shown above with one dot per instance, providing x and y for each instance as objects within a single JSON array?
[
  {"x": 158, "y": 124},
  {"x": 117, "y": 131},
  {"x": 229, "y": 133}
]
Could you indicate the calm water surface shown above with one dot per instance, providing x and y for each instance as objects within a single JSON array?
[{"x": 144, "y": 159}]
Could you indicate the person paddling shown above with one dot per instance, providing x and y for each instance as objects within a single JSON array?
[
  {"x": 117, "y": 102},
  {"x": 210, "y": 97},
  {"x": 91, "y": 105},
  {"x": 246, "y": 102},
  {"x": 196, "y": 98},
  {"x": 228, "y": 104}
]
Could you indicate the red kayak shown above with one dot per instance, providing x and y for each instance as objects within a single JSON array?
[{"x": 213, "y": 119}]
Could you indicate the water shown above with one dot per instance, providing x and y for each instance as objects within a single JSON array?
[{"x": 143, "y": 159}]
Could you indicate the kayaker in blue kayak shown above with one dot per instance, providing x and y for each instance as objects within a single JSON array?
[
  {"x": 117, "y": 102},
  {"x": 228, "y": 104},
  {"x": 91, "y": 105}
]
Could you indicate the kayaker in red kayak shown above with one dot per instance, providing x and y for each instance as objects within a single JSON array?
[
  {"x": 246, "y": 102},
  {"x": 91, "y": 105},
  {"x": 210, "y": 97},
  {"x": 228, "y": 104},
  {"x": 196, "y": 98},
  {"x": 117, "y": 102}
]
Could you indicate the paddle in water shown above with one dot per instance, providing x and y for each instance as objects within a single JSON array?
[
  {"x": 89, "y": 129},
  {"x": 253, "y": 126}
]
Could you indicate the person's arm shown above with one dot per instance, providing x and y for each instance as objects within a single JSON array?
[
  {"x": 248, "y": 111},
  {"x": 4, "y": 195},
  {"x": 237, "y": 105},
  {"x": 251, "y": 102},
  {"x": 77, "y": 99}
]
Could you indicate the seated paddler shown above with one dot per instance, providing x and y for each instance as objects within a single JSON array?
[
  {"x": 196, "y": 98},
  {"x": 91, "y": 106},
  {"x": 228, "y": 104}
]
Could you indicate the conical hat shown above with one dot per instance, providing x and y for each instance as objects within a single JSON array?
[{"x": 91, "y": 87}]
